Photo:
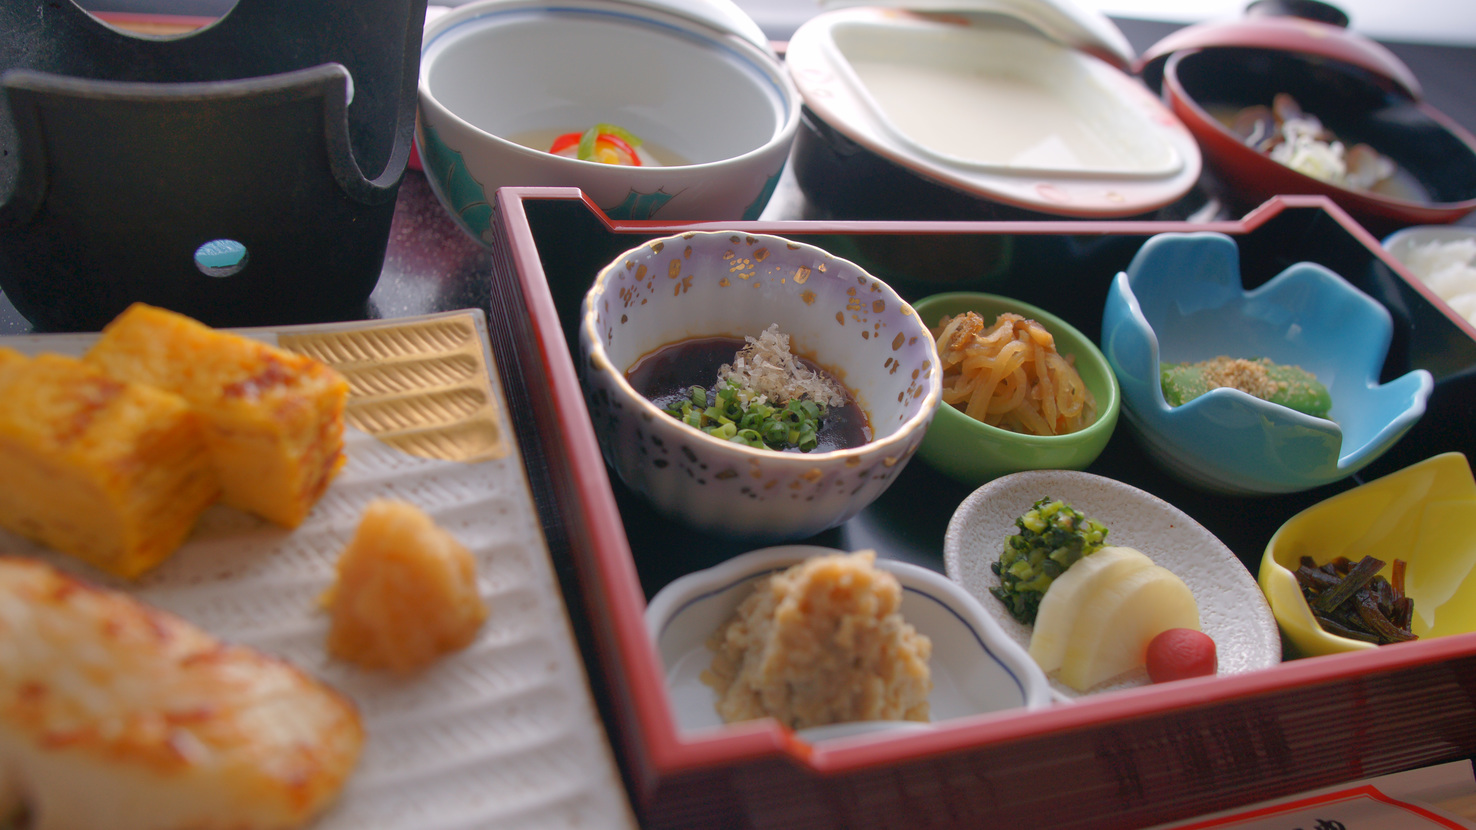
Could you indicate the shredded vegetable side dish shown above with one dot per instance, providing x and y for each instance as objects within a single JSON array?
[{"x": 1009, "y": 375}]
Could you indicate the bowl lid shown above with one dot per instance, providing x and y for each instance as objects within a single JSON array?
[
  {"x": 1064, "y": 21},
  {"x": 723, "y": 15},
  {"x": 923, "y": 90},
  {"x": 1286, "y": 34}
]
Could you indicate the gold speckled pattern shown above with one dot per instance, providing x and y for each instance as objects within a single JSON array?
[
  {"x": 744, "y": 261},
  {"x": 703, "y": 284},
  {"x": 423, "y": 387}
]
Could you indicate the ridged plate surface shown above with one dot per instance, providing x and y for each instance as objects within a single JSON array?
[{"x": 503, "y": 734}]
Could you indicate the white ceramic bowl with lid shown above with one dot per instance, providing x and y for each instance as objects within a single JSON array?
[{"x": 500, "y": 79}]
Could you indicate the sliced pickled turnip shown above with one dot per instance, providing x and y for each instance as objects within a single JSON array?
[
  {"x": 1116, "y": 622},
  {"x": 1056, "y": 618}
]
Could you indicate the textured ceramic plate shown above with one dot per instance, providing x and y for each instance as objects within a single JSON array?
[
  {"x": 1232, "y": 609},
  {"x": 502, "y": 734}
]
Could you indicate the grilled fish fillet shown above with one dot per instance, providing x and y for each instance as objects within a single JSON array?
[{"x": 116, "y": 715}]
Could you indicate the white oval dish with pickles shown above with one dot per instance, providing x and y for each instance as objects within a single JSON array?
[{"x": 1231, "y": 608}]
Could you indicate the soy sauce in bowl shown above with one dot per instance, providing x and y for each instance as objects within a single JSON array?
[{"x": 666, "y": 375}]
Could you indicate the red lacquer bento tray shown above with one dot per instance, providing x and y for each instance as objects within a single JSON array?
[{"x": 1126, "y": 759}]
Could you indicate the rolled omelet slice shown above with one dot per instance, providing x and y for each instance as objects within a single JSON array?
[
  {"x": 117, "y": 715},
  {"x": 112, "y": 472},
  {"x": 273, "y": 419}
]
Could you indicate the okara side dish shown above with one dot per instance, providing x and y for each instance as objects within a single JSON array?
[{"x": 819, "y": 643}]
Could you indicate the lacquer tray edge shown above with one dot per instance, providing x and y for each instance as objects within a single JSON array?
[{"x": 1125, "y": 760}]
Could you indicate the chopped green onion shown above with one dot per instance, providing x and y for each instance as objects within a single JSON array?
[
  {"x": 775, "y": 433},
  {"x": 796, "y": 425}
]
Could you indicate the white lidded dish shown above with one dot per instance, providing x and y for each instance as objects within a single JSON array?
[{"x": 1025, "y": 104}]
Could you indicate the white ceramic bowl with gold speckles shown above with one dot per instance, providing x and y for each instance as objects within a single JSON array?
[{"x": 709, "y": 284}]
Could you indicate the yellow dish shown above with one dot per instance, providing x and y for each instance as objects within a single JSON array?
[{"x": 1421, "y": 514}]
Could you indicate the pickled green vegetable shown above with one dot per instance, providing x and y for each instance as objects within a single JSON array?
[{"x": 1053, "y": 536}]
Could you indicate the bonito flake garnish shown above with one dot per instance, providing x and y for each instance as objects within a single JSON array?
[
  {"x": 767, "y": 372},
  {"x": 117, "y": 715}
]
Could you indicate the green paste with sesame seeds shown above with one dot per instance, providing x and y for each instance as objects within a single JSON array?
[{"x": 1290, "y": 386}]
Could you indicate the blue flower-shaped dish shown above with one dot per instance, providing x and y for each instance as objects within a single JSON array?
[{"x": 1181, "y": 300}]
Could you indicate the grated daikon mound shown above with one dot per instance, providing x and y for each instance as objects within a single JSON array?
[
  {"x": 772, "y": 373},
  {"x": 1449, "y": 269}
]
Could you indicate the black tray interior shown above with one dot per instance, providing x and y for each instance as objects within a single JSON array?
[{"x": 1066, "y": 268}]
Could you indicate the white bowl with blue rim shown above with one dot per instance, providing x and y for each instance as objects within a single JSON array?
[
  {"x": 499, "y": 79},
  {"x": 1181, "y": 299},
  {"x": 975, "y": 668}
]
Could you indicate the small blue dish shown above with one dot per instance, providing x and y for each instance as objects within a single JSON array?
[{"x": 1181, "y": 299}]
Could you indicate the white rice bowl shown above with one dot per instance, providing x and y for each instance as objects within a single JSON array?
[{"x": 1448, "y": 268}]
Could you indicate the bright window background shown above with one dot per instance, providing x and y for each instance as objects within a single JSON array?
[
  {"x": 1416, "y": 21},
  {"x": 1427, "y": 21}
]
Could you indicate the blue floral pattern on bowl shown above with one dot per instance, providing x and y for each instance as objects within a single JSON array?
[
  {"x": 1181, "y": 300},
  {"x": 457, "y": 188}
]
